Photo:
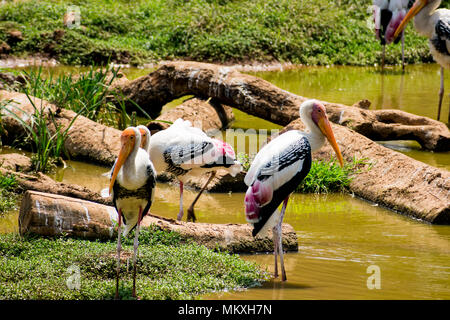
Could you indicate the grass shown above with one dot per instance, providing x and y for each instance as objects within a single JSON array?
[
  {"x": 168, "y": 268},
  {"x": 311, "y": 32},
  {"x": 8, "y": 198},
  {"x": 46, "y": 137},
  {"x": 326, "y": 176}
]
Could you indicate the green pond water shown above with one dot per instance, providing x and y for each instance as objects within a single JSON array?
[{"x": 340, "y": 236}]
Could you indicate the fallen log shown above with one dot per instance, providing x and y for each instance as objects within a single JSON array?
[
  {"x": 207, "y": 115},
  {"x": 53, "y": 215},
  {"x": 264, "y": 100},
  {"x": 41, "y": 182},
  {"x": 390, "y": 178}
]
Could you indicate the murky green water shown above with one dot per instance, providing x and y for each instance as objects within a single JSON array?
[{"x": 339, "y": 236}]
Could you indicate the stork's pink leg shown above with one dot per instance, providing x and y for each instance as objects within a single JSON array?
[
  {"x": 180, "y": 214},
  {"x": 119, "y": 248},
  {"x": 275, "y": 250},
  {"x": 441, "y": 94},
  {"x": 136, "y": 244},
  {"x": 280, "y": 240}
]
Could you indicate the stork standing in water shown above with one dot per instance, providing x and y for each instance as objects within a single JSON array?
[
  {"x": 434, "y": 24},
  {"x": 186, "y": 151},
  {"x": 387, "y": 15},
  {"x": 278, "y": 169},
  {"x": 132, "y": 188}
]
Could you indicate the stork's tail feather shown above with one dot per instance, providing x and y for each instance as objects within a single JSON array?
[{"x": 256, "y": 197}]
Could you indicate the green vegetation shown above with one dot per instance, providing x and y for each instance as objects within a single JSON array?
[
  {"x": 39, "y": 268},
  {"x": 86, "y": 93},
  {"x": 312, "y": 32},
  {"x": 8, "y": 199},
  {"x": 44, "y": 134},
  {"x": 328, "y": 176}
]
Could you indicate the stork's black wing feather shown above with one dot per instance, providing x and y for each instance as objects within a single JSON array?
[
  {"x": 175, "y": 156},
  {"x": 299, "y": 150},
  {"x": 439, "y": 41}
]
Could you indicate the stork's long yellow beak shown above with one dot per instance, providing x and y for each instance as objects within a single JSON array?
[
  {"x": 325, "y": 127},
  {"x": 127, "y": 140},
  {"x": 415, "y": 9}
]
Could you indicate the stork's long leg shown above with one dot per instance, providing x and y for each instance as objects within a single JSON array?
[
  {"x": 191, "y": 215},
  {"x": 280, "y": 240},
  {"x": 136, "y": 245},
  {"x": 441, "y": 94},
  {"x": 119, "y": 248},
  {"x": 180, "y": 213},
  {"x": 403, "y": 52},
  {"x": 275, "y": 249},
  {"x": 383, "y": 57}
]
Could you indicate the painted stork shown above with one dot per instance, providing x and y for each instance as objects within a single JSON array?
[
  {"x": 434, "y": 24},
  {"x": 387, "y": 15},
  {"x": 145, "y": 137},
  {"x": 186, "y": 151},
  {"x": 132, "y": 188},
  {"x": 278, "y": 169}
]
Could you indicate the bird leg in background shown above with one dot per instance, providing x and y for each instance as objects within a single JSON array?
[
  {"x": 441, "y": 94},
  {"x": 403, "y": 52},
  {"x": 191, "y": 215},
  {"x": 135, "y": 247},
  {"x": 383, "y": 57},
  {"x": 180, "y": 214},
  {"x": 280, "y": 240},
  {"x": 275, "y": 249},
  {"x": 119, "y": 247}
]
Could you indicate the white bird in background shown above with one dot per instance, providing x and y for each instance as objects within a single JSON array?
[
  {"x": 132, "y": 187},
  {"x": 186, "y": 151},
  {"x": 277, "y": 170},
  {"x": 387, "y": 15},
  {"x": 434, "y": 24}
]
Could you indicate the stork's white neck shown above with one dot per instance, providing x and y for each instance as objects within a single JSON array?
[
  {"x": 313, "y": 134},
  {"x": 425, "y": 21}
]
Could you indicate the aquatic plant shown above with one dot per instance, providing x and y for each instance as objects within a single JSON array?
[
  {"x": 326, "y": 176},
  {"x": 168, "y": 268},
  {"x": 85, "y": 93},
  {"x": 45, "y": 136},
  {"x": 8, "y": 198}
]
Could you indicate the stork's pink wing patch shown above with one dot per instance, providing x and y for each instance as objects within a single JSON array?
[
  {"x": 256, "y": 197},
  {"x": 224, "y": 148}
]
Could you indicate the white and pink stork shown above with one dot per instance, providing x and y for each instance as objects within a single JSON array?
[
  {"x": 388, "y": 15},
  {"x": 186, "y": 151},
  {"x": 132, "y": 186},
  {"x": 277, "y": 170},
  {"x": 434, "y": 24}
]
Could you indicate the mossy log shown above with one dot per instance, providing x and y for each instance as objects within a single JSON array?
[
  {"x": 260, "y": 98},
  {"x": 53, "y": 215}
]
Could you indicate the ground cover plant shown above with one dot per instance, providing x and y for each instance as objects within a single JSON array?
[
  {"x": 168, "y": 268},
  {"x": 312, "y": 32}
]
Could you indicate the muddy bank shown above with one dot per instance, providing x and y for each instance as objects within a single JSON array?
[
  {"x": 390, "y": 178},
  {"x": 51, "y": 215},
  {"x": 264, "y": 100}
]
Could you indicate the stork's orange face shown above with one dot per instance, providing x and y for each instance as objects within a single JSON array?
[
  {"x": 128, "y": 141},
  {"x": 319, "y": 116},
  {"x": 144, "y": 137},
  {"x": 415, "y": 9}
]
